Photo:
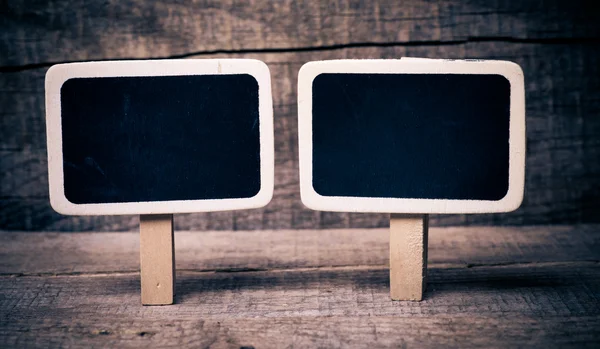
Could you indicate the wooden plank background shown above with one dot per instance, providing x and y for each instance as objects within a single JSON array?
[{"x": 556, "y": 43}]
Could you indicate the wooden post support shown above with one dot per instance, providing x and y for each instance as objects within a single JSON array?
[
  {"x": 157, "y": 259},
  {"x": 408, "y": 256}
]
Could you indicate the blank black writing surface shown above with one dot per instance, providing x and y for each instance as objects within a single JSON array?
[
  {"x": 160, "y": 138},
  {"x": 421, "y": 136}
]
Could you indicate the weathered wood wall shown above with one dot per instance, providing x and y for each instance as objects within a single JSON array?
[{"x": 556, "y": 43}]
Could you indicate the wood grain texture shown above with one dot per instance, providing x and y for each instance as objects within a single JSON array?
[
  {"x": 552, "y": 305},
  {"x": 487, "y": 287},
  {"x": 63, "y": 31},
  {"x": 157, "y": 259},
  {"x": 408, "y": 256},
  {"x": 555, "y": 42},
  {"x": 227, "y": 251}
]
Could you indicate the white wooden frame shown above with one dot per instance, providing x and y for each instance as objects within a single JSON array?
[
  {"x": 509, "y": 70},
  {"x": 58, "y": 74}
]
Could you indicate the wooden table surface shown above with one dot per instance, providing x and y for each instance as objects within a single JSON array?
[{"x": 505, "y": 287}]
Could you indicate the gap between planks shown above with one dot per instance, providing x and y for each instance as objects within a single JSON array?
[{"x": 448, "y": 266}]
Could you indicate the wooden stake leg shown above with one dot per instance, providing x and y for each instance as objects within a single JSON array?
[
  {"x": 157, "y": 259},
  {"x": 408, "y": 256}
]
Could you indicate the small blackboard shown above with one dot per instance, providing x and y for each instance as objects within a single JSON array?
[
  {"x": 159, "y": 136},
  {"x": 411, "y": 136}
]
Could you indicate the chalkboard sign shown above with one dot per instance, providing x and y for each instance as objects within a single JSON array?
[
  {"x": 411, "y": 136},
  {"x": 141, "y": 137}
]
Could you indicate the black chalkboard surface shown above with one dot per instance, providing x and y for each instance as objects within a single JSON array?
[
  {"x": 160, "y": 138},
  {"x": 415, "y": 136}
]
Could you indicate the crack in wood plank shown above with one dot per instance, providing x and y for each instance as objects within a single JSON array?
[
  {"x": 416, "y": 43},
  {"x": 306, "y": 269}
]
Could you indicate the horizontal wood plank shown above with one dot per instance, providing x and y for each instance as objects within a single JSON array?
[
  {"x": 304, "y": 332},
  {"x": 487, "y": 287},
  {"x": 553, "y": 305},
  {"x": 43, "y": 32},
  {"x": 83, "y": 253},
  {"x": 552, "y": 289}
]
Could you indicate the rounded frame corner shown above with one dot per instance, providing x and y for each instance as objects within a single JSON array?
[
  {"x": 62, "y": 205},
  {"x": 263, "y": 197},
  {"x": 310, "y": 198}
]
